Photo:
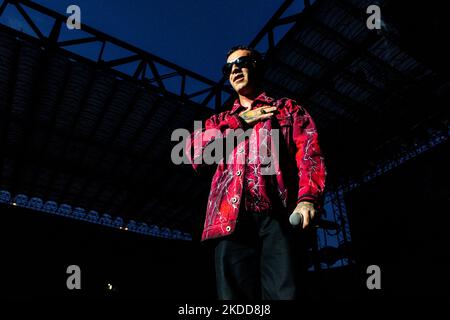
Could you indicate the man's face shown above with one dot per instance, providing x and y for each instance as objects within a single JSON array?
[{"x": 242, "y": 79}]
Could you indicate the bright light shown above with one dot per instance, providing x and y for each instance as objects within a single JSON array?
[{"x": 110, "y": 286}]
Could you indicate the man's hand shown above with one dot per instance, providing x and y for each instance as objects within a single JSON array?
[
  {"x": 253, "y": 116},
  {"x": 307, "y": 210}
]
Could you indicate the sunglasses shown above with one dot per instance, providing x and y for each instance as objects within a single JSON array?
[{"x": 240, "y": 62}]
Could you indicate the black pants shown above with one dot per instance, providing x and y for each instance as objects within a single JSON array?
[{"x": 260, "y": 260}]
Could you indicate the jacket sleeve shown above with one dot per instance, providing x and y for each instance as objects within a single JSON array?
[
  {"x": 308, "y": 156},
  {"x": 214, "y": 128}
]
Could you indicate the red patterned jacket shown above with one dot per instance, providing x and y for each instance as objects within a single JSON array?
[{"x": 299, "y": 169}]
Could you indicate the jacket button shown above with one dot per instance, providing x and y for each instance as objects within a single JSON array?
[
  {"x": 228, "y": 228},
  {"x": 234, "y": 199},
  {"x": 238, "y": 173}
]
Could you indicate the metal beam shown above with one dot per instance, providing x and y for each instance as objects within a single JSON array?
[
  {"x": 29, "y": 20},
  {"x": 266, "y": 31},
  {"x": 271, "y": 24},
  {"x": 97, "y": 36}
]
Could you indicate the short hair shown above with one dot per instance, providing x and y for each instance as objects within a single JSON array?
[{"x": 255, "y": 54}]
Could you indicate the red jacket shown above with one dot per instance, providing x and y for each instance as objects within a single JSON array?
[{"x": 299, "y": 169}]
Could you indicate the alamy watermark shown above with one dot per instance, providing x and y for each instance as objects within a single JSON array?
[
  {"x": 74, "y": 20},
  {"x": 374, "y": 280},
  {"x": 74, "y": 279},
  {"x": 374, "y": 20},
  {"x": 211, "y": 146}
]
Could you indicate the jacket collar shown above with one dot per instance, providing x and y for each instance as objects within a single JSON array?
[{"x": 263, "y": 97}]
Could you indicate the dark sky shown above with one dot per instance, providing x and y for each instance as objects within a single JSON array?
[{"x": 193, "y": 34}]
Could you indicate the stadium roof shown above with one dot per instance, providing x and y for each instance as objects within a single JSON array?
[
  {"x": 78, "y": 132},
  {"x": 367, "y": 90}
]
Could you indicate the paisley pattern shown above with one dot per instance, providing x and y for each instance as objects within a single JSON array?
[{"x": 297, "y": 169}]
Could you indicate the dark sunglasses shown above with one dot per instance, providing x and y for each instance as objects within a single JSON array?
[{"x": 240, "y": 62}]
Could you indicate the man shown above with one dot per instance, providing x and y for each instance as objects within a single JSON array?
[{"x": 248, "y": 211}]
